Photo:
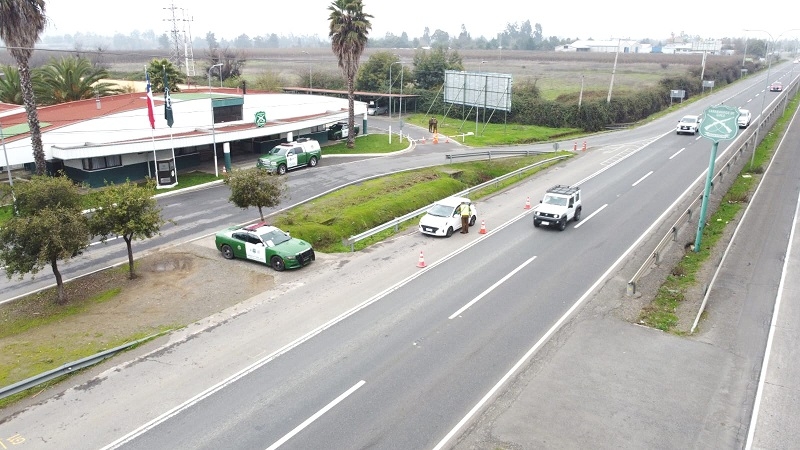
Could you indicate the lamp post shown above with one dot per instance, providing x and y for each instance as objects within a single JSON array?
[
  {"x": 310, "y": 86},
  {"x": 8, "y": 168},
  {"x": 391, "y": 103},
  {"x": 766, "y": 89},
  {"x": 213, "y": 126}
]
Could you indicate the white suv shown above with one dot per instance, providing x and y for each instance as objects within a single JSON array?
[
  {"x": 688, "y": 124},
  {"x": 559, "y": 205}
]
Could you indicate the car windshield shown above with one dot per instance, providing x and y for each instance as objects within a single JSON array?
[
  {"x": 440, "y": 210},
  {"x": 274, "y": 237},
  {"x": 553, "y": 200},
  {"x": 278, "y": 151},
  {"x": 688, "y": 119}
]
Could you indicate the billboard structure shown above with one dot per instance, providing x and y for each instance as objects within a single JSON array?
[{"x": 479, "y": 90}]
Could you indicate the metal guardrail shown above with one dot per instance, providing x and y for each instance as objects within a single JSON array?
[
  {"x": 671, "y": 235},
  {"x": 68, "y": 368},
  {"x": 395, "y": 223},
  {"x": 490, "y": 153}
]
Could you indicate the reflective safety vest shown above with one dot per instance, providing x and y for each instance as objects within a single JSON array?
[{"x": 464, "y": 209}]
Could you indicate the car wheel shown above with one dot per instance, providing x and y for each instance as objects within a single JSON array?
[
  {"x": 562, "y": 224},
  {"x": 577, "y": 216},
  {"x": 227, "y": 251},
  {"x": 449, "y": 231},
  {"x": 277, "y": 263},
  {"x": 536, "y": 223},
  {"x": 282, "y": 169},
  {"x": 313, "y": 161},
  {"x": 472, "y": 221}
]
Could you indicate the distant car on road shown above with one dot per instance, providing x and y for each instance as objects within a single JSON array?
[
  {"x": 444, "y": 217},
  {"x": 776, "y": 87},
  {"x": 688, "y": 124},
  {"x": 744, "y": 118},
  {"x": 265, "y": 244}
]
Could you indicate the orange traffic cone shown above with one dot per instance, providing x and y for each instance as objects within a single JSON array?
[
  {"x": 584, "y": 145},
  {"x": 527, "y": 203},
  {"x": 575, "y": 147},
  {"x": 421, "y": 262},
  {"x": 483, "y": 227},
  {"x": 436, "y": 138},
  {"x": 446, "y": 139}
]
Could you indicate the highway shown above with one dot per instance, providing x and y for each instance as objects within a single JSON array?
[{"x": 416, "y": 351}]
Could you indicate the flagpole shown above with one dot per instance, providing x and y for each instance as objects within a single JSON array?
[
  {"x": 155, "y": 159},
  {"x": 168, "y": 117}
]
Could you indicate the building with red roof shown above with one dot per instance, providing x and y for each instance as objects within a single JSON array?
[{"x": 110, "y": 138}]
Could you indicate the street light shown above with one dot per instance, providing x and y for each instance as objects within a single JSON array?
[
  {"x": 766, "y": 89},
  {"x": 310, "y": 87},
  {"x": 390, "y": 87},
  {"x": 213, "y": 126}
]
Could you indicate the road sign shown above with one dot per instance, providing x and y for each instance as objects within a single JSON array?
[{"x": 720, "y": 122}]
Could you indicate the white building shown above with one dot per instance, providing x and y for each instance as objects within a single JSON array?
[
  {"x": 609, "y": 46},
  {"x": 110, "y": 138}
]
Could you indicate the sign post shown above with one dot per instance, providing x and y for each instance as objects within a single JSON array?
[{"x": 719, "y": 122}]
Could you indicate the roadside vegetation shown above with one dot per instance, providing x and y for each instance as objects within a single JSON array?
[
  {"x": 325, "y": 222},
  {"x": 661, "y": 313}
]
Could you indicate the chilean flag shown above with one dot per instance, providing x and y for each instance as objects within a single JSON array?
[{"x": 150, "y": 103}]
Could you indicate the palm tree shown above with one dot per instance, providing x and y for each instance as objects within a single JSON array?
[
  {"x": 348, "y": 32},
  {"x": 23, "y": 22},
  {"x": 70, "y": 79},
  {"x": 10, "y": 91}
]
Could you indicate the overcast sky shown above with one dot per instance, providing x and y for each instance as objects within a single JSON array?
[{"x": 584, "y": 19}]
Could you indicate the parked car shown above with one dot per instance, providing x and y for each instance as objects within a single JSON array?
[
  {"x": 265, "y": 244},
  {"x": 373, "y": 110},
  {"x": 443, "y": 218},
  {"x": 776, "y": 87},
  {"x": 688, "y": 124},
  {"x": 339, "y": 130},
  {"x": 744, "y": 118},
  {"x": 291, "y": 155}
]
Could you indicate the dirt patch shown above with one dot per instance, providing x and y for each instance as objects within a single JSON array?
[{"x": 172, "y": 289}]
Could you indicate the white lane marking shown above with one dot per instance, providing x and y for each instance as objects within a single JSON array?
[
  {"x": 642, "y": 179},
  {"x": 621, "y": 159},
  {"x": 677, "y": 153},
  {"x": 749, "y": 100},
  {"x": 316, "y": 416},
  {"x": 107, "y": 240},
  {"x": 491, "y": 288},
  {"x": 564, "y": 317},
  {"x": 590, "y": 216},
  {"x": 762, "y": 377},
  {"x": 698, "y": 138}
]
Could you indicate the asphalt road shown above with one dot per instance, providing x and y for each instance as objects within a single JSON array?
[{"x": 418, "y": 351}]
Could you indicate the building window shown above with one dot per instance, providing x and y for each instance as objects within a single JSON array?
[
  {"x": 102, "y": 162},
  {"x": 186, "y": 151}
]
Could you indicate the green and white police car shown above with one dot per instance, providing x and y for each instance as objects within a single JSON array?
[
  {"x": 266, "y": 244},
  {"x": 291, "y": 155}
]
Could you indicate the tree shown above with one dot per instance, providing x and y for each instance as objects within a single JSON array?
[
  {"x": 70, "y": 79},
  {"x": 349, "y": 28},
  {"x": 127, "y": 210},
  {"x": 255, "y": 187},
  {"x": 429, "y": 66},
  {"x": 374, "y": 74},
  {"x": 49, "y": 227},
  {"x": 23, "y": 22},
  {"x": 156, "y": 70},
  {"x": 10, "y": 90},
  {"x": 243, "y": 41}
]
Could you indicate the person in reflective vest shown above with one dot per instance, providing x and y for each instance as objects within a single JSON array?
[{"x": 464, "y": 209}]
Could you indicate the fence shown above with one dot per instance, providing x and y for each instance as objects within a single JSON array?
[{"x": 491, "y": 153}]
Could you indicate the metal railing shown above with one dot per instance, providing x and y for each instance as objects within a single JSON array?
[
  {"x": 490, "y": 153},
  {"x": 768, "y": 119},
  {"x": 395, "y": 223},
  {"x": 68, "y": 368}
]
